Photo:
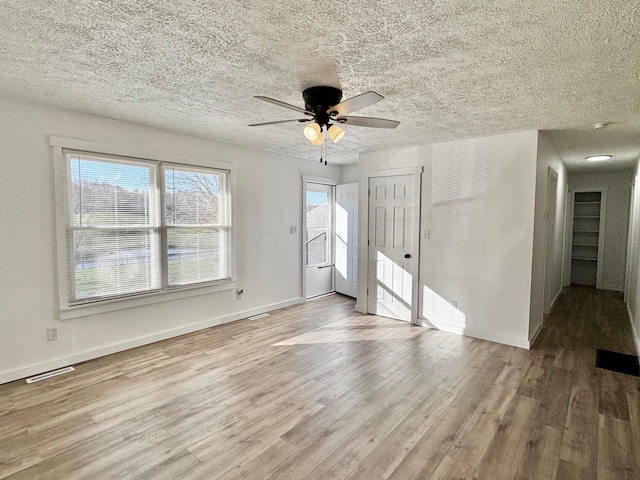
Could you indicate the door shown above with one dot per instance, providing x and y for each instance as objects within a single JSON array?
[
  {"x": 319, "y": 239},
  {"x": 551, "y": 287},
  {"x": 346, "y": 239},
  {"x": 391, "y": 238}
]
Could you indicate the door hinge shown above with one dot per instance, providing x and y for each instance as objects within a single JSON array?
[
  {"x": 369, "y": 192},
  {"x": 367, "y": 291},
  {"x": 368, "y": 243}
]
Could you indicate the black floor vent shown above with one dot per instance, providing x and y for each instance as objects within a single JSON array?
[{"x": 618, "y": 362}]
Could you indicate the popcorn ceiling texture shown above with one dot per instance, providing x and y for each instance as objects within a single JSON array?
[{"x": 449, "y": 69}]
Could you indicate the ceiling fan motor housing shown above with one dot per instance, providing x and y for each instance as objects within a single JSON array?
[{"x": 318, "y": 100}]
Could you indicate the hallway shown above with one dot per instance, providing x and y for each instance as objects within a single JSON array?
[{"x": 595, "y": 411}]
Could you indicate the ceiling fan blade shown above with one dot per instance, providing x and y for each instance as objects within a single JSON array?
[
  {"x": 355, "y": 103},
  {"x": 368, "y": 122},
  {"x": 300, "y": 120},
  {"x": 283, "y": 104}
]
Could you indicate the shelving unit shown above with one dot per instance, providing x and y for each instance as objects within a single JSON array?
[{"x": 586, "y": 237}]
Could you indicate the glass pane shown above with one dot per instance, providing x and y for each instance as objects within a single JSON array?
[
  {"x": 316, "y": 246},
  {"x": 107, "y": 193},
  {"x": 193, "y": 197},
  {"x": 110, "y": 263},
  {"x": 317, "y": 227},
  {"x": 317, "y": 210},
  {"x": 195, "y": 255}
]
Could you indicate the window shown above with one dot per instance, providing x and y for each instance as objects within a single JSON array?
[
  {"x": 196, "y": 213},
  {"x": 134, "y": 226},
  {"x": 318, "y": 222}
]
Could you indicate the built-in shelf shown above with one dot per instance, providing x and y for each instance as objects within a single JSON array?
[{"x": 585, "y": 245}]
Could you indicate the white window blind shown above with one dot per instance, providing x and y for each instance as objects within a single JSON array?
[
  {"x": 198, "y": 225},
  {"x": 136, "y": 226}
]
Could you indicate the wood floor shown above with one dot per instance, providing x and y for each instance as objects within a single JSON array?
[{"x": 319, "y": 392}]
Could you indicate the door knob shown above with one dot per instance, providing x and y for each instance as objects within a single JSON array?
[{"x": 407, "y": 255}]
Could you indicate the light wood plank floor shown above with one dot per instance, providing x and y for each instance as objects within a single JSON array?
[{"x": 320, "y": 392}]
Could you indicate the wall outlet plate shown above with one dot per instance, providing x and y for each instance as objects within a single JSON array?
[{"x": 52, "y": 333}]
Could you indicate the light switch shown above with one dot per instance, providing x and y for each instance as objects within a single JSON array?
[
  {"x": 294, "y": 230},
  {"x": 426, "y": 234}
]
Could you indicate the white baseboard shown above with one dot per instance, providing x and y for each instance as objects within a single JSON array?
[
  {"x": 537, "y": 331},
  {"x": 20, "y": 373},
  {"x": 555, "y": 299},
  {"x": 615, "y": 288},
  {"x": 267, "y": 308},
  {"x": 480, "y": 334},
  {"x": 634, "y": 329}
]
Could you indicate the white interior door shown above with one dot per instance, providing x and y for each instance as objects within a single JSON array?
[
  {"x": 346, "y": 239},
  {"x": 391, "y": 232},
  {"x": 318, "y": 239}
]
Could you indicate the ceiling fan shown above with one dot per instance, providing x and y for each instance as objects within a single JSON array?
[{"x": 324, "y": 112}]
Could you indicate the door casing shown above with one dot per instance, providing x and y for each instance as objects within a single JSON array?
[
  {"x": 322, "y": 181},
  {"x": 363, "y": 236}
]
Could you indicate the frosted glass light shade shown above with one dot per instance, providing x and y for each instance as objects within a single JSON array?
[
  {"x": 319, "y": 140},
  {"x": 598, "y": 158},
  {"x": 335, "y": 133},
  {"x": 312, "y": 131}
]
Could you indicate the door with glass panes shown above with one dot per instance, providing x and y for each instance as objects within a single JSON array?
[{"x": 318, "y": 239}]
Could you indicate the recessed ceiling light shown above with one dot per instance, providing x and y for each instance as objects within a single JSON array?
[{"x": 598, "y": 158}]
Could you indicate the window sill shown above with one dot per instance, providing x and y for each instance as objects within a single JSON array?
[{"x": 78, "y": 311}]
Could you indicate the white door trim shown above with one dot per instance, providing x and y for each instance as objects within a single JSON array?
[
  {"x": 303, "y": 261},
  {"x": 363, "y": 235},
  {"x": 321, "y": 180},
  {"x": 548, "y": 295},
  {"x": 630, "y": 238}
]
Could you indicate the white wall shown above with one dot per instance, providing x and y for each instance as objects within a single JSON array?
[
  {"x": 268, "y": 201},
  {"x": 478, "y": 203},
  {"x": 350, "y": 174},
  {"x": 633, "y": 288},
  {"x": 547, "y": 158},
  {"x": 616, "y": 225}
]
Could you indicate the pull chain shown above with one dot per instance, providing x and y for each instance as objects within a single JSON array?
[{"x": 323, "y": 147}]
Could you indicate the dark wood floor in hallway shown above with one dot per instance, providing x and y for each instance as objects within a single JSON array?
[{"x": 317, "y": 391}]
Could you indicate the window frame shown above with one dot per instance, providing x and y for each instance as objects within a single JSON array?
[{"x": 74, "y": 310}]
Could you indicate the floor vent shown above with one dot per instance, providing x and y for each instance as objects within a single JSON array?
[
  {"x": 260, "y": 315},
  {"x": 44, "y": 376},
  {"x": 618, "y": 362}
]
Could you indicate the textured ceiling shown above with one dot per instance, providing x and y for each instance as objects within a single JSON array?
[{"x": 449, "y": 69}]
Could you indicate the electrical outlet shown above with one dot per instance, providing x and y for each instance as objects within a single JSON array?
[
  {"x": 52, "y": 333},
  {"x": 293, "y": 230}
]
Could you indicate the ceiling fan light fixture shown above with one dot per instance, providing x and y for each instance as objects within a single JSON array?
[
  {"x": 598, "y": 158},
  {"x": 335, "y": 133},
  {"x": 312, "y": 131},
  {"x": 319, "y": 140}
]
